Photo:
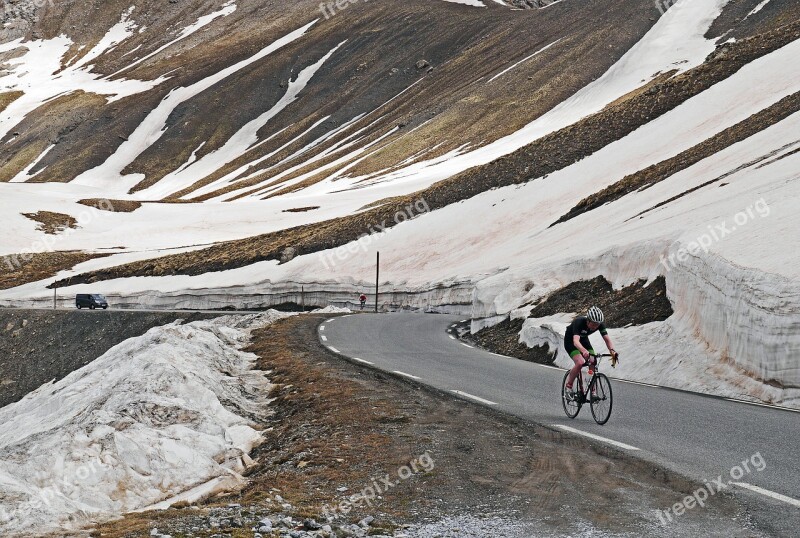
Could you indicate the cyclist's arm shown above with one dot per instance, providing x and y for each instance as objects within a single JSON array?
[
  {"x": 609, "y": 344},
  {"x": 576, "y": 340}
]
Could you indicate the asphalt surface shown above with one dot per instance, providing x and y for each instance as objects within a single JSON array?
[{"x": 698, "y": 436}]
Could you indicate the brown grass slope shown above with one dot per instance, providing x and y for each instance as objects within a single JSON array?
[
  {"x": 464, "y": 47},
  {"x": 544, "y": 156}
]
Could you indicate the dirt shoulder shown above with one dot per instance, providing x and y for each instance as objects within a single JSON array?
[{"x": 339, "y": 429}]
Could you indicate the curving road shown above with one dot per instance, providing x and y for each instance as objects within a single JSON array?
[{"x": 698, "y": 436}]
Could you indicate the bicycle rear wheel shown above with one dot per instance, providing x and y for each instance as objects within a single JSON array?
[
  {"x": 571, "y": 407},
  {"x": 601, "y": 399}
]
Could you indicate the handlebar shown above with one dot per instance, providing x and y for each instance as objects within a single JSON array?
[{"x": 598, "y": 356}]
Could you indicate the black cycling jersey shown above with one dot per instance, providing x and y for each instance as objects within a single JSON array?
[{"x": 581, "y": 327}]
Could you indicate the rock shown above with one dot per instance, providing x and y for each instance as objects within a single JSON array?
[
  {"x": 311, "y": 525},
  {"x": 366, "y": 522},
  {"x": 352, "y": 531},
  {"x": 287, "y": 255},
  {"x": 422, "y": 64}
]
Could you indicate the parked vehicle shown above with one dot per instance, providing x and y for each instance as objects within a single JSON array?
[{"x": 90, "y": 301}]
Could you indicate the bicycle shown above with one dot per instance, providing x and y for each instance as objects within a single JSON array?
[{"x": 597, "y": 394}]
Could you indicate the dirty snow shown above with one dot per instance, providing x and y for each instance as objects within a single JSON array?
[{"x": 154, "y": 416}]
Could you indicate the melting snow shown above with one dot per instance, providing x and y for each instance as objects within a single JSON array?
[
  {"x": 38, "y": 74},
  {"x": 154, "y": 416},
  {"x": 238, "y": 143},
  {"x": 202, "y": 22},
  {"x": 108, "y": 176}
]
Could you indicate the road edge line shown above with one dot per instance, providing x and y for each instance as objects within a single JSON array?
[
  {"x": 595, "y": 437},
  {"x": 768, "y": 493}
]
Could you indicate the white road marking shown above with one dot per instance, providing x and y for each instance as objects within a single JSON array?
[
  {"x": 398, "y": 372},
  {"x": 472, "y": 397},
  {"x": 330, "y": 320},
  {"x": 595, "y": 437},
  {"x": 362, "y": 360},
  {"x": 549, "y": 366},
  {"x": 466, "y": 345},
  {"x": 763, "y": 405},
  {"x": 463, "y": 321},
  {"x": 324, "y": 338},
  {"x": 322, "y": 327},
  {"x": 499, "y": 355},
  {"x": 451, "y": 336},
  {"x": 635, "y": 382},
  {"x": 334, "y": 349},
  {"x": 768, "y": 493}
]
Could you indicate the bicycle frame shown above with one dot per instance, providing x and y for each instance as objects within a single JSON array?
[{"x": 584, "y": 395}]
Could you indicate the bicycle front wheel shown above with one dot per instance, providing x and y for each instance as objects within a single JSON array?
[
  {"x": 571, "y": 406},
  {"x": 601, "y": 399}
]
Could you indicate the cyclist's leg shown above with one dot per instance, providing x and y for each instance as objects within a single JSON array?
[
  {"x": 576, "y": 357},
  {"x": 587, "y": 344}
]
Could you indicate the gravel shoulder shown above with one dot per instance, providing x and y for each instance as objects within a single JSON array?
[{"x": 457, "y": 469}]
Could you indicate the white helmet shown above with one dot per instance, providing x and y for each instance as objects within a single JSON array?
[{"x": 595, "y": 315}]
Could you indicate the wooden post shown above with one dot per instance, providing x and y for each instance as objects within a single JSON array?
[
  {"x": 55, "y": 295},
  {"x": 377, "y": 277}
]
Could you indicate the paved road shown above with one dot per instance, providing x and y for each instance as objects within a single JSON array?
[{"x": 700, "y": 437}]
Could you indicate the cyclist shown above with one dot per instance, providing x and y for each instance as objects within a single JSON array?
[
  {"x": 363, "y": 300},
  {"x": 576, "y": 341}
]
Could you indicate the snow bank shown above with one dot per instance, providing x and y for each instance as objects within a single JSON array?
[
  {"x": 333, "y": 310},
  {"x": 154, "y": 416}
]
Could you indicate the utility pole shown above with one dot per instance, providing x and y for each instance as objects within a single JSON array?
[{"x": 377, "y": 277}]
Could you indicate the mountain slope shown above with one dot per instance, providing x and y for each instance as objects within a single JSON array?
[{"x": 491, "y": 155}]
